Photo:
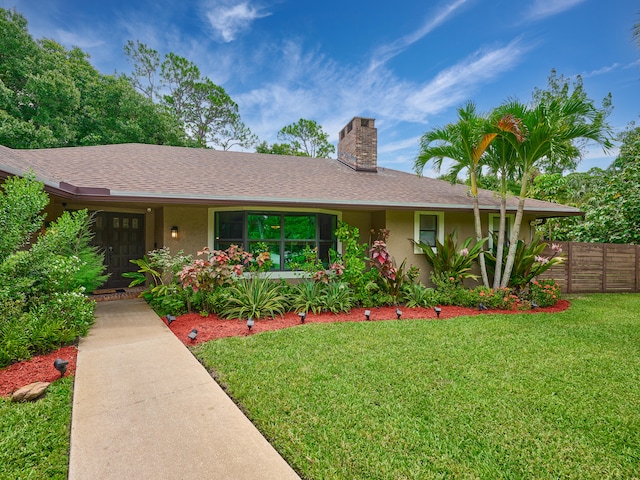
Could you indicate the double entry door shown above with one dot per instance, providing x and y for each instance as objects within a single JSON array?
[{"x": 121, "y": 237}]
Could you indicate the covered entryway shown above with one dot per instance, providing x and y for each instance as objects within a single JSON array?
[{"x": 121, "y": 237}]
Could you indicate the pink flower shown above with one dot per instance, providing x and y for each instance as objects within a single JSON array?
[
  {"x": 541, "y": 259},
  {"x": 556, "y": 247},
  {"x": 464, "y": 252}
]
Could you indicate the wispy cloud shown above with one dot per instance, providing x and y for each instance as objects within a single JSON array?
[
  {"x": 229, "y": 18},
  {"x": 386, "y": 52},
  {"x": 457, "y": 83},
  {"x": 602, "y": 71},
  {"x": 546, "y": 8}
]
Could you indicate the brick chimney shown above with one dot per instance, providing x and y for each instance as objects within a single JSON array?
[{"x": 358, "y": 145}]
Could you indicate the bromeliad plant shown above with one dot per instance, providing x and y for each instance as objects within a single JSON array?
[{"x": 451, "y": 261}]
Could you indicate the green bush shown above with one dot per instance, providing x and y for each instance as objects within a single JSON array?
[
  {"x": 307, "y": 296},
  {"x": 417, "y": 295},
  {"x": 254, "y": 297},
  {"x": 337, "y": 298},
  {"x": 544, "y": 293}
]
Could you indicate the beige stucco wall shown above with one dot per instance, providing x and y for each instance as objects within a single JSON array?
[{"x": 193, "y": 227}]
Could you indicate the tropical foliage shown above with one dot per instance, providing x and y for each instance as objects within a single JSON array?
[{"x": 42, "y": 288}]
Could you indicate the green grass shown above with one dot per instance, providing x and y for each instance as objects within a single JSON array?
[
  {"x": 492, "y": 396},
  {"x": 34, "y": 439}
]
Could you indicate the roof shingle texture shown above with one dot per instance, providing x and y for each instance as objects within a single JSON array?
[{"x": 192, "y": 176}]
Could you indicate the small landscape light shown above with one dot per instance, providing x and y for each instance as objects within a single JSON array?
[
  {"x": 193, "y": 334},
  {"x": 367, "y": 314},
  {"x": 398, "y": 313},
  {"x": 61, "y": 366},
  {"x": 303, "y": 316},
  {"x": 534, "y": 304},
  {"x": 482, "y": 306},
  {"x": 437, "y": 310},
  {"x": 250, "y": 323},
  {"x": 170, "y": 318}
]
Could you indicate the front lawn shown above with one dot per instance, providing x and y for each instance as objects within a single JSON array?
[
  {"x": 491, "y": 396},
  {"x": 35, "y": 436}
]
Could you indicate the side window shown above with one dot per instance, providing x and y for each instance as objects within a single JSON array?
[{"x": 428, "y": 227}]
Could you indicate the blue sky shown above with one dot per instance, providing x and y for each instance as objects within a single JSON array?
[{"x": 407, "y": 64}]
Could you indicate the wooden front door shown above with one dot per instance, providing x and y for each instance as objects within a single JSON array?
[{"x": 121, "y": 237}]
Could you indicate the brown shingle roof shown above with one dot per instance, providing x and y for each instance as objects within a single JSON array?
[{"x": 136, "y": 172}]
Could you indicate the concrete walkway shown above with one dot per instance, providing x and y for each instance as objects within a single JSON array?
[{"x": 144, "y": 408}]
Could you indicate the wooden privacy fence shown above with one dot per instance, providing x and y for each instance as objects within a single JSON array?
[{"x": 597, "y": 267}]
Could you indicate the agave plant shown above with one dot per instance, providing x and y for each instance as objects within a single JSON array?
[{"x": 254, "y": 297}]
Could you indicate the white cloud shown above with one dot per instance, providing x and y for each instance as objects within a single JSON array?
[
  {"x": 386, "y": 52},
  {"x": 230, "y": 18},
  {"x": 456, "y": 84},
  {"x": 601, "y": 71},
  {"x": 81, "y": 40},
  {"x": 546, "y": 8}
]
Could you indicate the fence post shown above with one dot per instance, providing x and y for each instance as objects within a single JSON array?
[{"x": 568, "y": 266}]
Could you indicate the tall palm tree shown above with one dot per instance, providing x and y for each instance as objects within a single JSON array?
[
  {"x": 551, "y": 128},
  {"x": 458, "y": 142}
]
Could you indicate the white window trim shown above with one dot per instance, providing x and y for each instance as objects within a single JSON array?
[
  {"x": 416, "y": 228},
  {"x": 510, "y": 219}
]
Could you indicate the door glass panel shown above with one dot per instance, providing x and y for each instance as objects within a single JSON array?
[
  {"x": 116, "y": 222},
  {"x": 134, "y": 223},
  {"x": 125, "y": 222}
]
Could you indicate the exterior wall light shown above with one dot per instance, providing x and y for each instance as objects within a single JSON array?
[{"x": 174, "y": 232}]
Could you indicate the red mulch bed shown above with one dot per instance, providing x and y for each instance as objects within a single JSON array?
[
  {"x": 40, "y": 368},
  {"x": 212, "y": 327}
]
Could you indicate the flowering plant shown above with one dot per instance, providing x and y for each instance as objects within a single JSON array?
[
  {"x": 217, "y": 268},
  {"x": 545, "y": 293},
  {"x": 451, "y": 261},
  {"x": 530, "y": 262}
]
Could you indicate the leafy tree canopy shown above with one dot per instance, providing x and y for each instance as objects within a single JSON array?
[
  {"x": 53, "y": 97},
  {"x": 307, "y": 139}
]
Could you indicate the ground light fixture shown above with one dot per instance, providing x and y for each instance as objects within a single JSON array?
[
  {"x": 170, "y": 318},
  {"x": 250, "y": 323},
  {"x": 534, "y": 304},
  {"x": 482, "y": 306},
  {"x": 303, "y": 316},
  {"x": 367, "y": 314},
  {"x": 61, "y": 366},
  {"x": 193, "y": 334},
  {"x": 398, "y": 313},
  {"x": 438, "y": 310}
]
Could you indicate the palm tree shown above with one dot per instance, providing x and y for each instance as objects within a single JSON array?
[
  {"x": 551, "y": 127},
  {"x": 458, "y": 142}
]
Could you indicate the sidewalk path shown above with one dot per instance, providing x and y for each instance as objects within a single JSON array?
[{"x": 145, "y": 408}]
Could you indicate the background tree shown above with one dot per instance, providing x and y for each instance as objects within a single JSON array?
[
  {"x": 53, "y": 97},
  {"x": 307, "y": 139},
  {"x": 206, "y": 112}
]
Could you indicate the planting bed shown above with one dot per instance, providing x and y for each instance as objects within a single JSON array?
[
  {"x": 40, "y": 368},
  {"x": 212, "y": 327}
]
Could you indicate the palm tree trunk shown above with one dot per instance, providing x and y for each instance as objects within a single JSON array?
[
  {"x": 478, "y": 228},
  {"x": 516, "y": 232},
  {"x": 497, "y": 276}
]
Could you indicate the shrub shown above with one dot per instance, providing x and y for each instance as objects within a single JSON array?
[
  {"x": 337, "y": 298},
  {"x": 451, "y": 261},
  {"x": 544, "y": 293},
  {"x": 528, "y": 262},
  {"x": 255, "y": 298},
  {"x": 307, "y": 296},
  {"x": 417, "y": 295}
]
